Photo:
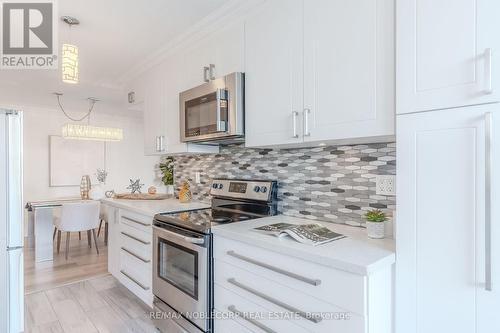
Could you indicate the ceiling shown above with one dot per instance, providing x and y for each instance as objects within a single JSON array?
[{"x": 113, "y": 36}]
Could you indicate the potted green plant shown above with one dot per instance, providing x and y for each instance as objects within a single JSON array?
[
  {"x": 375, "y": 223},
  {"x": 167, "y": 173}
]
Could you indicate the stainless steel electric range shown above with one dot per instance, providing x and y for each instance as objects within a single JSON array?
[{"x": 182, "y": 251}]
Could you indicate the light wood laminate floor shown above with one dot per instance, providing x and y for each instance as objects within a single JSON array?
[
  {"x": 83, "y": 263},
  {"x": 97, "y": 305}
]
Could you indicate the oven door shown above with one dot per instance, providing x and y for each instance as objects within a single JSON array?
[
  {"x": 205, "y": 116},
  {"x": 181, "y": 272}
]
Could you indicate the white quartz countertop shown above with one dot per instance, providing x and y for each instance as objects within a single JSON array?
[
  {"x": 356, "y": 253},
  {"x": 153, "y": 207}
]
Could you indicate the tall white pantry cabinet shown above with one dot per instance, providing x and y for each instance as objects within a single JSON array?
[{"x": 448, "y": 142}]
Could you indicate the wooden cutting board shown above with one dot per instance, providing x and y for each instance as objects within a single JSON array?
[{"x": 142, "y": 196}]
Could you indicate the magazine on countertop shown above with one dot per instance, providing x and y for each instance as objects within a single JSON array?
[{"x": 312, "y": 234}]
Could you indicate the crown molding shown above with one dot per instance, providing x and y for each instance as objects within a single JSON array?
[{"x": 231, "y": 12}]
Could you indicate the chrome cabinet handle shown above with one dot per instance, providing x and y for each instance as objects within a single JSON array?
[
  {"x": 135, "y": 238},
  {"x": 135, "y": 221},
  {"x": 157, "y": 143},
  {"x": 206, "y": 70},
  {"x": 134, "y": 280},
  {"x": 211, "y": 71},
  {"x": 135, "y": 255},
  {"x": 487, "y": 201},
  {"x": 488, "y": 63},
  {"x": 314, "y": 319},
  {"x": 254, "y": 322},
  {"x": 162, "y": 143},
  {"x": 314, "y": 282},
  {"x": 306, "y": 122},
  {"x": 295, "y": 114}
]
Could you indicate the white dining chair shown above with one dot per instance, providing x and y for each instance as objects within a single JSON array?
[{"x": 77, "y": 217}]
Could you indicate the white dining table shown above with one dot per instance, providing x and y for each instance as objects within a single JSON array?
[{"x": 41, "y": 226}]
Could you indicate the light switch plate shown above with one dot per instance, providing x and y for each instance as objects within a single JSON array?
[{"x": 386, "y": 185}]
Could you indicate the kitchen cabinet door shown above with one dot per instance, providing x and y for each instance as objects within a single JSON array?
[
  {"x": 348, "y": 69},
  {"x": 274, "y": 74},
  {"x": 111, "y": 214},
  {"x": 448, "y": 54},
  {"x": 228, "y": 55},
  {"x": 443, "y": 223},
  {"x": 154, "y": 109}
]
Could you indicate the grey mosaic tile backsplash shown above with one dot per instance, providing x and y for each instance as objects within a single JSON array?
[{"x": 331, "y": 183}]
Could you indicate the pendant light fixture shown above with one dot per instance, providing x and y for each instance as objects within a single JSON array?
[
  {"x": 87, "y": 132},
  {"x": 70, "y": 71}
]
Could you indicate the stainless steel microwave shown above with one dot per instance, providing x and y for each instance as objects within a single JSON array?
[{"x": 214, "y": 112}]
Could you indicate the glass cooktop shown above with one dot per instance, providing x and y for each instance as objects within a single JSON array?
[{"x": 202, "y": 220}]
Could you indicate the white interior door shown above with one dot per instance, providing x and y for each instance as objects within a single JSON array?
[
  {"x": 274, "y": 73},
  {"x": 443, "y": 52}
]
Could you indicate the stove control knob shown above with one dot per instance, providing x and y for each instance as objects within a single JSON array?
[
  {"x": 263, "y": 189},
  {"x": 256, "y": 189},
  {"x": 221, "y": 186},
  {"x": 214, "y": 186}
]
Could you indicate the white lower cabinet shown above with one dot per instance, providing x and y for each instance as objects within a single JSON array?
[
  {"x": 448, "y": 236},
  {"x": 130, "y": 251},
  {"x": 268, "y": 292},
  {"x": 111, "y": 216}
]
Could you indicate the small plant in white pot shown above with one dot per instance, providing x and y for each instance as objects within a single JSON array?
[
  {"x": 167, "y": 174},
  {"x": 375, "y": 223}
]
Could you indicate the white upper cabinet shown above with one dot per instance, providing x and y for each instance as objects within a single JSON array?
[
  {"x": 154, "y": 111},
  {"x": 448, "y": 54},
  {"x": 348, "y": 69},
  {"x": 228, "y": 55},
  {"x": 273, "y": 74},
  {"x": 214, "y": 55},
  {"x": 319, "y": 71}
]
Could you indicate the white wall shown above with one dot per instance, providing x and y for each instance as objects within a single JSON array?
[{"x": 124, "y": 159}]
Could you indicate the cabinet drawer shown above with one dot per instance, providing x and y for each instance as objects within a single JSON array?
[
  {"x": 137, "y": 221},
  {"x": 136, "y": 270},
  {"x": 336, "y": 287},
  {"x": 280, "y": 298},
  {"x": 137, "y": 242},
  {"x": 243, "y": 312},
  {"x": 136, "y": 276}
]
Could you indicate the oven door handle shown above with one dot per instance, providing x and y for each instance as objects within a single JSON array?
[{"x": 192, "y": 240}]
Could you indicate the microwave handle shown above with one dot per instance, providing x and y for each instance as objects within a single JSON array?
[{"x": 221, "y": 95}]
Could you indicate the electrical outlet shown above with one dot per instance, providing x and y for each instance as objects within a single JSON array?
[
  {"x": 197, "y": 177},
  {"x": 386, "y": 185}
]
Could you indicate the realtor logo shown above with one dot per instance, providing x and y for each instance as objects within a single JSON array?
[{"x": 28, "y": 34}]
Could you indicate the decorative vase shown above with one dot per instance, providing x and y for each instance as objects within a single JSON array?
[
  {"x": 185, "y": 194},
  {"x": 96, "y": 192},
  {"x": 85, "y": 187},
  {"x": 375, "y": 229}
]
